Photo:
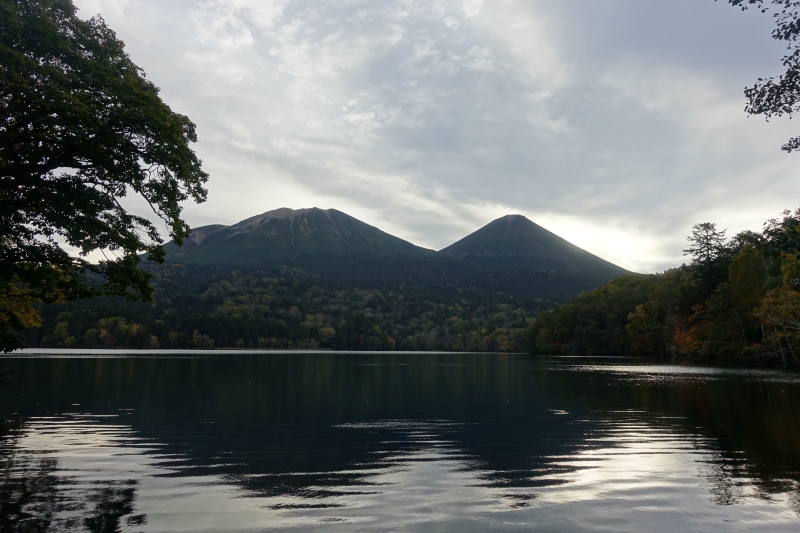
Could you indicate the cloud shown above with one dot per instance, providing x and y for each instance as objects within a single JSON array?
[{"x": 617, "y": 124}]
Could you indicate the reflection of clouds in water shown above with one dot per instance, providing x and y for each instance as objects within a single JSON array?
[
  {"x": 646, "y": 478},
  {"x": 426, "y": 488},
  {"x": 94, "y": 474},
  {"x": 38, "y": 492},
  {"x": 633, "y": 476},
  {"x": 667, "y": 373}
]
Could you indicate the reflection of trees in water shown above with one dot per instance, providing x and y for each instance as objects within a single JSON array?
[
  {"x": 34, "y": 498},
  {"x": 112, "y": 503},
  {"x": 744, "y": 426},
  {"x": 27, "y": 494},
  {"x": 727, "y": 480},
  {"x": 510, "y": 416},
  {"x": 729, "y": 483},
  {"x": 794, "y": 499}
]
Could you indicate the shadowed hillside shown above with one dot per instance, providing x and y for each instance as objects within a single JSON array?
[
  {"x": 513, "y": 239},
  {"x": 510, "y": 255}
]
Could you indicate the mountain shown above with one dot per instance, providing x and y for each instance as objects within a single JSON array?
[
  {"x": 286, "y": 234},
  {"x": 511, "y": 255},
  {"x": 311, "y": 277},
  {"x": 513, "y": 239}
]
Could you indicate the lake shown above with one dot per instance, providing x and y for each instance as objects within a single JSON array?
[{"x": 394, "y": 442}]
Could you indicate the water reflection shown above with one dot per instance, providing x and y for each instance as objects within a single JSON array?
[
  {"x": 40, "y": 489},
  {"x": 398, "y": 443}
]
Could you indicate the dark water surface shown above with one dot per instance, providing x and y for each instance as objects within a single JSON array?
[{"x": 395, "y": 442}]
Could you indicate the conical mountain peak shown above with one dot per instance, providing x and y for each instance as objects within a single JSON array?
[{"x": 514, "y": 237}]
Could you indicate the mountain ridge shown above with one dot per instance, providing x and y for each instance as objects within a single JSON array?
[
  {"x": 512, "y": 254},
  {"x": 287, "y": 234}
]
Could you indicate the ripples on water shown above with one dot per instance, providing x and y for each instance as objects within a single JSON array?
[{"x": 408, "y": 442}]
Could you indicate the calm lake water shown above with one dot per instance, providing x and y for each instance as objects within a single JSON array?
[{"x": 395, "y": 442}]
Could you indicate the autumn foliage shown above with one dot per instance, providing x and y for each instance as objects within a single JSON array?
[{"x": 738, "y": 300}]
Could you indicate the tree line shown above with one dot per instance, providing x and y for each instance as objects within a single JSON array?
[{"x": 737, "y": 301}]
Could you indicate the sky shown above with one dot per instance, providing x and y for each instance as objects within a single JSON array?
[{"x": 616, "y": 124}]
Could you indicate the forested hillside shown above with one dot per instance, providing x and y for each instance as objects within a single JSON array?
[
  {"x": 737, "y": 301},
  {"x": 289, "y": 308}
]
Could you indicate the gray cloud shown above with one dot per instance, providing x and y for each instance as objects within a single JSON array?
[{"x": 616, "y": 124}]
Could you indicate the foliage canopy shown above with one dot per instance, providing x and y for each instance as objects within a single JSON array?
[
  {"x": 739, "y": 300},
  {"x": 80, "y": 128},
  {"x": 283, "y": 307},
  {"x": 778, "y": 95}
]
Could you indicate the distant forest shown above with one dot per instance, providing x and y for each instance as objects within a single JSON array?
[
  {"x": 200, "y": 307},
  {"x": 738, "y": 301}
]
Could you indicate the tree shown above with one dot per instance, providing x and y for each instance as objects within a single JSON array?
[
  {"x": 707, "y": 243},
  {"x": 80, "y": 128},
  {"x": 778, "y": 96},
  {"x": 782, "y": 235},
  {"x": 710, "y": 259}
]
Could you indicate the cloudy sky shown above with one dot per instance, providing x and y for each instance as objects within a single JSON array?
[{"x": 616, "y": 124}]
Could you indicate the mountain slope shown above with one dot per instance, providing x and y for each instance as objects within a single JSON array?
[
  {"x": 289, "y": 235},
  {"x": 511, "y": 255},
  {"x": 513, "y": 239}
]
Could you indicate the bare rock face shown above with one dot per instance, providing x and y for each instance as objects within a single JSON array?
[{"x": 195, "y": 239}]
